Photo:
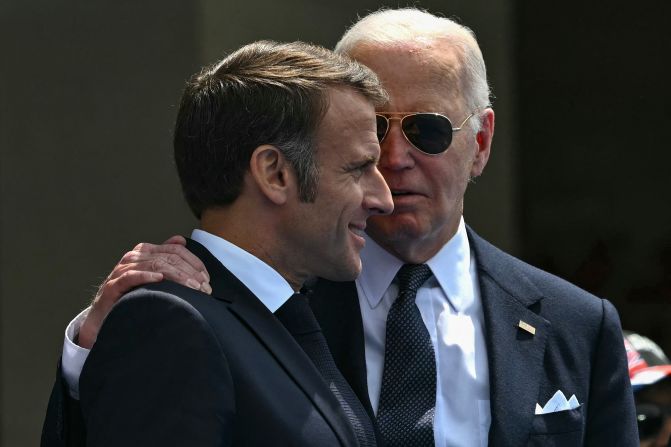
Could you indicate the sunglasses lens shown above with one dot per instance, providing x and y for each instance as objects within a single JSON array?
[
  {"x": 649, "y": 418},
  {"x": 429, "y": 133},
  {"x": 382, "y": 127}
]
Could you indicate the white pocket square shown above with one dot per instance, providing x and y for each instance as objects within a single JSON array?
[{"x": 558, "y": 402}]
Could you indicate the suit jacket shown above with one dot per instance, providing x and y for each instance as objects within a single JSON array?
[
  {"x": 63, "y": 424},
  {"x": 175, "y": 367},
  {"x": 577, "y": 348}
]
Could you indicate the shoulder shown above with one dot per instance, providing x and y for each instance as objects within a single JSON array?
[
  {"x": 555, "y": 296},
  {"x": 163, "y": 308},
  {"x": 156, "y": 325},
  {"x": 580, "y": 325},
  {"x": 156, "y": 346},
  {"x": 163, "y": 298}
]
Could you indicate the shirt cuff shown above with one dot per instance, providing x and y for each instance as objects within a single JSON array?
[{"x": 74, "y": 356}]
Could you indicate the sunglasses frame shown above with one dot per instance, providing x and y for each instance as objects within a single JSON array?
[{"x": 400, "y": 116}]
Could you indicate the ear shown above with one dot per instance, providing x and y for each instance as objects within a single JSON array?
[
  {"x": 483, "y": 141},
  {"x": 271, "y": 173}
]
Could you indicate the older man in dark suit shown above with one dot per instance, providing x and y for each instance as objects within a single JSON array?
[{"x": 445, "y": 338}]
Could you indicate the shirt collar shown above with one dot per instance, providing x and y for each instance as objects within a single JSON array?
[
  {"x": 450, "y": 266},
  {"x": 263, "y": 281}
]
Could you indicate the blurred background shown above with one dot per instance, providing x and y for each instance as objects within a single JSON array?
[{"x": 578, "y": 182}]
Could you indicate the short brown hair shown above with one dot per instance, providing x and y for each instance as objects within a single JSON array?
[{"x": 264, "y": 93}]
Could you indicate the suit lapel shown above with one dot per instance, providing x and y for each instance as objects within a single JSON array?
[
  {"x": 515, "y": 355},
  {"x": 277, "y": 340},
  {"x": 336, "y": 306}
]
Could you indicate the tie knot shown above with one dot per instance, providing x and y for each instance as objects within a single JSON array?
[
  {"x": 412, "y": 276},
  {"x": 296, "y": 315}
]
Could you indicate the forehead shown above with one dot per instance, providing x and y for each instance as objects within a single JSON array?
[
  {"x": 348, "y": 128},
  {"x": 419, "y": 76}
]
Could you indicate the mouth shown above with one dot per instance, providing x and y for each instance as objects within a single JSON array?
[
  {"x": 358, "y": 229},
  {"x": 399, "y": 193}
]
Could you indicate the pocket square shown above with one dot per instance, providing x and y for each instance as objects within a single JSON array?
[{"x": 558, "y": 402}]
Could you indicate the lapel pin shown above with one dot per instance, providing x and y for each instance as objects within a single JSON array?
[{"x": 527, "y": 327}]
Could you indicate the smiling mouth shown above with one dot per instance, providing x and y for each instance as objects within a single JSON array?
[{"x": 359, "y": 231}]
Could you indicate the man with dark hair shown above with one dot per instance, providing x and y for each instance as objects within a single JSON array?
[
  {"x": 447, "y": 340},
  {"x": 282, "y": 136}
]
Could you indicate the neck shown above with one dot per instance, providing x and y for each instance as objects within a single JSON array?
[
  {"x": 411, "y": 252},
  {"x": 259, "y": 239},
  {"x": 411, "y": 248}
]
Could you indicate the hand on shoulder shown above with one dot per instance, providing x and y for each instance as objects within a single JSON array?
[{"x": 145, "y": 263}]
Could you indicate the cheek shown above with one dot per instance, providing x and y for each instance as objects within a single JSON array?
[{"x": 444, "y": 181}]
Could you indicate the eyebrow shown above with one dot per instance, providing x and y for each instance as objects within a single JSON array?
[
  {"x": 366, "y": 161},
  {"x": 370, "y": 160}
]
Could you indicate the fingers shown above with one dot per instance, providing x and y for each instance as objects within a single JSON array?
[
  {"x": 170, "y": 254},
  {"x": 173, "y": 261},
  {"x": 146, "y": 263},
  {"x": 113, "y": 289},
  {"x": 108, "y": 294},
  {"x": 171, "y": 267},
  {"x": 176, "y": 239}
]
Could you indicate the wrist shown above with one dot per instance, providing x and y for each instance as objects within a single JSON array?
[{"x": 87, "y": 335}]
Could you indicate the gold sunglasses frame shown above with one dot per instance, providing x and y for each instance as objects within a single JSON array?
[{"x": 392, "y": 116}]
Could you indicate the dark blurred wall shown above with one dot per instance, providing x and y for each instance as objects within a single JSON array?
[
  {"x": 87, "y": 102},
  {"x": 594, "y": 155}
]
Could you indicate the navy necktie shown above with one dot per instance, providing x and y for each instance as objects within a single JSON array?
[
  {"x": 408, "y": 394},
  {"x": 298, "y": 318}
]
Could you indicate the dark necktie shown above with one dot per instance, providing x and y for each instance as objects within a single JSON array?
[
  {"x": 298, "y": 318},
  {"x": 408, "y": 394}
]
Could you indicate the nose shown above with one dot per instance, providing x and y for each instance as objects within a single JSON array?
[
  {"x": 396, "y": 151},
  {"x": 377, "y": 198}
]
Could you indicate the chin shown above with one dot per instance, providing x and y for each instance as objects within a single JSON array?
[
  {"x": 396, "y": 228},
  {"x": 345, "y": 272}
]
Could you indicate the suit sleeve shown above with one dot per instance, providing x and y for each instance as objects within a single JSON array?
[
  {"x": 63, "y": 424},
  {"x": 611, "y": 416},
  {"x": 156, "y": 376}
]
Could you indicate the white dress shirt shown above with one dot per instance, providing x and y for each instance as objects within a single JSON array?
[
  {"x": 263, "y": 281},
  {"x": 450, "y": 305}
]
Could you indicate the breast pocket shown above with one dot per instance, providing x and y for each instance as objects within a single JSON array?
[{"x": 562, "y": 428}]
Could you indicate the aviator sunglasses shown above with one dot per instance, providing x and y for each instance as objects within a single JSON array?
[{"x": 430, "y": 133}]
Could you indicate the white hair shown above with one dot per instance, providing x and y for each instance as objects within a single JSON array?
[{"x": 389, "y": 27}]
